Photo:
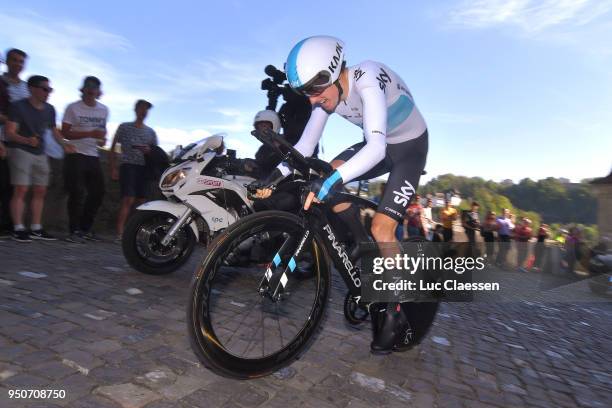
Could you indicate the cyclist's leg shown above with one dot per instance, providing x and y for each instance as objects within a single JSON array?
[
  {"x": 408, "y": 159},
  {"x": 347, "y": 212},
  {"x": 408, "y": 162}
]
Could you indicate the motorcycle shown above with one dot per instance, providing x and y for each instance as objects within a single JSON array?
[{"x": 205, "y": 193}]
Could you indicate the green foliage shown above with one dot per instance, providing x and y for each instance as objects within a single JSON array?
[
  {"x": 561, "y": 205},
  {"x": 550, "y": 199},
  {"x": 555, "y": 201}
]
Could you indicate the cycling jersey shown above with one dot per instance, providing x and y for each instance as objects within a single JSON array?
[{"x": 380, "y": 103}]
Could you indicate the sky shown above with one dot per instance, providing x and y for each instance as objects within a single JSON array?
[{"x": 509, "y": 89}]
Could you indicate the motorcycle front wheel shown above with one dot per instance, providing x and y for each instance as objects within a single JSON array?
[{"x": 142, "y": 247}]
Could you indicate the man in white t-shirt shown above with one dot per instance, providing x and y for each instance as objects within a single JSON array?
[{"x": 84, "y": 124}]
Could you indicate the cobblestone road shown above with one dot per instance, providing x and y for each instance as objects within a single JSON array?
[{"x": 77, "y": 318}]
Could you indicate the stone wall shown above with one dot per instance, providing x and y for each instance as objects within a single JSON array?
[
  {"x": 604, "y": 211},
  {"x": 55, "y": 216}
]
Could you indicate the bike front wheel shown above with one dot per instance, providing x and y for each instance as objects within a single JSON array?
[{"x": 244, "y": 319}]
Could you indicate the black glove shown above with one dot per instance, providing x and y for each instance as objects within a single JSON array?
[{"x": 270, "y": 181}]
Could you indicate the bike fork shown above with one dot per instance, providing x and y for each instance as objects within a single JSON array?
[
  {"x": 177, "y": 226},
  {"x": 278, "y": 280}
]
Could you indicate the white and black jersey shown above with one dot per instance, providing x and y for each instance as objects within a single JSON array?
[{"x": 380, "y": 103}]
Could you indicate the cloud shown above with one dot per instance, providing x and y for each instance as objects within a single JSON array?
[
  {"x": 63, "y": 51},
  {"x": 529, "y": 16},
  {"x": 67, "y": 51},
  {"x": 209, "y": 75}
]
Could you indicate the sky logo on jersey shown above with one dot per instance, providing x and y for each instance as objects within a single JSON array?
[
  {"x": 358, "y": 74},
  {"x": 403, "y": 196},
  {"x": 383, "y": 80}
]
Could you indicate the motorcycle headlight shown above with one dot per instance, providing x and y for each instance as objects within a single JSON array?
[{"x": 174, "y": 178}]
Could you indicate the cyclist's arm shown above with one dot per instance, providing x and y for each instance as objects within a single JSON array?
[
  {"x": 374, "y": 131},
  {"x": 310, "y": 137}
]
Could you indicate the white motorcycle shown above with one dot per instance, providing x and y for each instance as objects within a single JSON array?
[{"x": 205, "y": 193}]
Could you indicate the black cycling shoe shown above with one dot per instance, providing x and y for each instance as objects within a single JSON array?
[{"x": 392, "y": 332}]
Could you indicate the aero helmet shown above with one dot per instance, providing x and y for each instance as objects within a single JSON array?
[
  {"x": 315, "y": 63},
  {"x": 268, "y": 116}
]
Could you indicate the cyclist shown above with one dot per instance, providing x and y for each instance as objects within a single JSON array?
[{"x": 375, "y": 98}]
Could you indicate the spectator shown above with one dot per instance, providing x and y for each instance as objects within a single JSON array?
[
  {"x": 438, "y": 233},
  {"x": 504, "y": 231},
  {"x": 84, "y": 123},
  {"x": 28, "y": 120},
  {"x": 573, "y": 250},
  {"x": 487, "y": 230},
  {"x": 413, "y": 223},
  {"x": 448, "y": 217},
  {"x": 471, "y": 222},
  {"x": 12, "y": 89},
  {"x": 17, "y": 88},
  {"x": 522, "y": 235},
  {"x": 136, "y": 140},
  {"x": 6, "y": 225},
  {"x": 543, "y": 235},
  {"x": 428, "y": 222}
]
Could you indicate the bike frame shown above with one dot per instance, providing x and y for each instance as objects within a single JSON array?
[{"x": 317, "y": 223}]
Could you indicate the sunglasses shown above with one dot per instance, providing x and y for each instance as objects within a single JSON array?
[
  {"x": 316, "y": 85},
  {"x": 46, "y": 89}
]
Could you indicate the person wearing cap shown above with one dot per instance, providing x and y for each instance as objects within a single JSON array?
[
  {"x": 136, "y": 140},
  {"x": 84, "y": 124},
  {"x": 28, "y": 120}
]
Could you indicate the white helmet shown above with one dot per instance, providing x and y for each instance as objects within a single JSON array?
[
  {"x": 315, "y": 63},
  {"x": 268, "y": 116}
]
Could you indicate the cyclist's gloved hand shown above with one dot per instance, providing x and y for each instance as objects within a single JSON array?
[
  {"x": 264, "y": 187},
  {"x": 320, "y": 191}
]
